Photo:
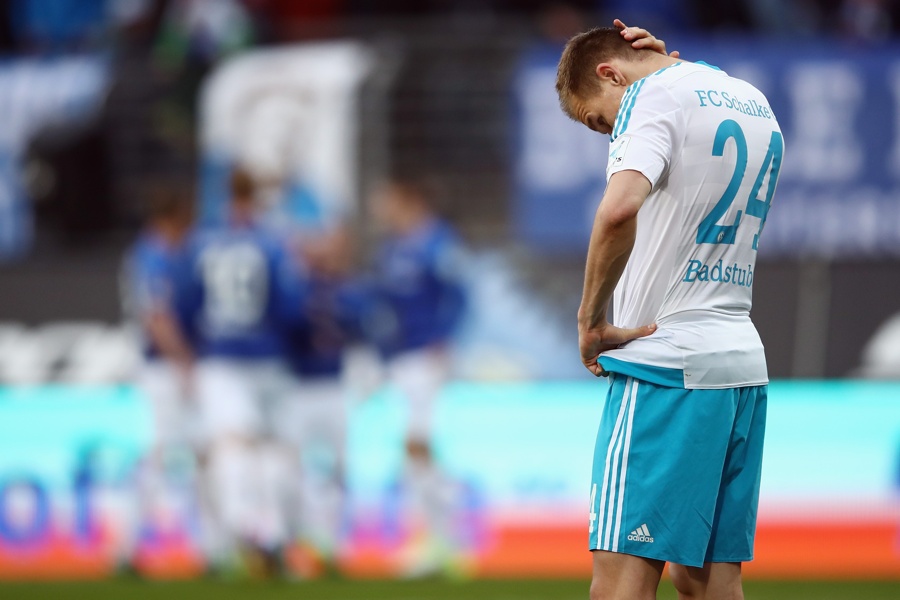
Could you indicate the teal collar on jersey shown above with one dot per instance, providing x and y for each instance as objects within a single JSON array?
[
  {"x": 706, "y": 64},
  {"x": 664, "y": 376},
  {"x": 663, "y": 69},
  {"x": 628, "y": 101}
]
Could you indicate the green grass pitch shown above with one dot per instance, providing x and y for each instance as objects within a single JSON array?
[{"x": 413, "y": 590}]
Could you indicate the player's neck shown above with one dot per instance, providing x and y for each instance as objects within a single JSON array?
[
  {"x": 170, "y": 233},
  {"x": 413, "y": 221},
  {"x": 242, "y": 215},
  {"x": 634, "y": 71}
]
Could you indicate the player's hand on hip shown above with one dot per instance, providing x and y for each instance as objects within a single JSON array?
[
  {"x": 641, "y": 38},
  {"x": 595, "y": 341}
]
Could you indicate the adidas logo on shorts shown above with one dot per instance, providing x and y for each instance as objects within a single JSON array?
[{"x": 641, "y": 534}]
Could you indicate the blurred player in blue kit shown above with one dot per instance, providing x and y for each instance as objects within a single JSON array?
[
  {"x": 419, "y": 295},
  {"x": 316, "y": 345},
  {"x": 157, "y": 297},
  {"x": 694, "y": 159},
  {"x": 249, "y": 289}
]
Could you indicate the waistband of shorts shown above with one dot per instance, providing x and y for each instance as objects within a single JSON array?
[{"x": 664, "y": 376}]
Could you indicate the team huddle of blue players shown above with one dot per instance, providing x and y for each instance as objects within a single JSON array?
[
  {"x": 247, "y": 328},
  {"x": 243, "y": 290}
]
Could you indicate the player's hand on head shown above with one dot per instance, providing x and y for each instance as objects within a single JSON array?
[
  {"x": 641, "y": 38},
  {"x": 594, "y": 342}
]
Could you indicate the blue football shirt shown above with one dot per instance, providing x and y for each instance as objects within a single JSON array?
[
  {"x": 418, "y": 292},
  {"x": 249, "y": 290}
]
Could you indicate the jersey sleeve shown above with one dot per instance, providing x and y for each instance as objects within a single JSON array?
[
  {"x": 448, "y": 262},
  {"x": 649, "y": 122},
  {"x": 449, "y": 268},
  {"x": 292, "y": 284},
  {"x": 151, "y": 284}
]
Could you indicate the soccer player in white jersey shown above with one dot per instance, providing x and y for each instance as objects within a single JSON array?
[{"x": 694, "y": 160}]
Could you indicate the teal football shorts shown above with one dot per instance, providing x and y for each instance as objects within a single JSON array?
[{"x": 676, "y": 472}]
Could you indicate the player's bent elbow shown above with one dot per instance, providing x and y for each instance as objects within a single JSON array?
[
  {"x": 625, "y": 194},
  {"x": 616, "y": 215}
]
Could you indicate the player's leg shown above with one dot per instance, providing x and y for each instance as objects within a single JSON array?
[
  {"x": 273, "y": 464},
  {"x": 734, "y": 525},
  {"x": 292, "y": 426},
  {"x": 624, "y": 577},
  {"x": 158, "y": 382},
  {"x": 230, "y": 423},
  {"x": 319, "y": 429},
  {"x": 420, "y": 376},
  {"x": 329, "y": 416},
  {"x": 712, "y": 581},
  {"x": 274, "y": 389}
]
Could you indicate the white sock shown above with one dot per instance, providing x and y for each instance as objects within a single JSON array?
[
  {"x": 323, "y": 512},
  {"x": 233, "y": 479},
  {"x": 273, "y": 468}
]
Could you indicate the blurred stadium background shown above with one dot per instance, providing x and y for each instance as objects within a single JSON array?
[{"x": 105, "y": 100}]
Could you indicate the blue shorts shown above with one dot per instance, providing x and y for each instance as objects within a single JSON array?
[{"x": 676, "y": 472}]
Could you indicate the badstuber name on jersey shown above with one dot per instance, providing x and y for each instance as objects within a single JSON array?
[
  {"x": 733, "y": 274},
  {"x": 719, "y": 99}
]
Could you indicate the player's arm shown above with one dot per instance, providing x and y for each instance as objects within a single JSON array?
[
  {"x": 641, "y": 38},
  {"x": 612, "y": 239},
  {"x": 154, "y": 304},
  {"x": 449, "y": 270},
  {"x": 165, "y": 333}
]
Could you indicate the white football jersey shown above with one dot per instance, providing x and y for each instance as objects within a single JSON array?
[{"x": 712, "y": 149}]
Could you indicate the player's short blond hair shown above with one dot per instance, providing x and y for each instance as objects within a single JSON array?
[{"x": 575, "y": 75}]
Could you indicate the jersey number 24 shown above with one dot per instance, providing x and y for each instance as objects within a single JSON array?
[{"x": 710, "y": 231}]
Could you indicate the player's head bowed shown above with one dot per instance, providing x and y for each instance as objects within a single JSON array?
[{"x": 576, "y": 76}]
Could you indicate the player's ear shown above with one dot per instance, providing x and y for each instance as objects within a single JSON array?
[{"x": 608, "y": 73}]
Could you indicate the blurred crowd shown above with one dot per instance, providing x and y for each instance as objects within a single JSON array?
[
  {"x": 246, "y": 332},
  {"x": 201, "y": 30}
]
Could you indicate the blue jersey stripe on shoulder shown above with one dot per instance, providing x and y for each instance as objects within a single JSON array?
[
  {"x": 630, "y": 106},
  {"x": 628, "y": 102},
  {"x": 620, "y": 117},
  {"x": 623, "y": 106}
]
